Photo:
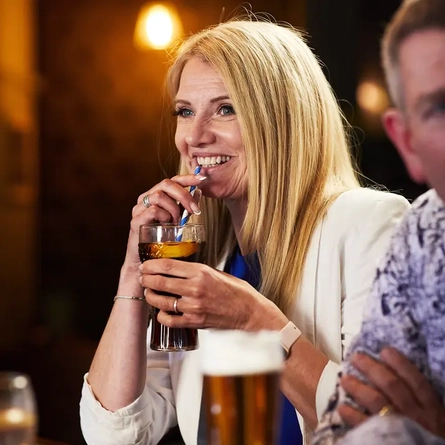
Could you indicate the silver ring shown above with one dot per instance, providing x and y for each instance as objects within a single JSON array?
[
  {"x": 175, "y": 306},
  {"x": 146, "y": 201}
]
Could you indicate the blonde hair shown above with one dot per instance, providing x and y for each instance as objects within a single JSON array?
[
  {"x": 296, "y": 147},
  {"x": 411, "y": 17}
]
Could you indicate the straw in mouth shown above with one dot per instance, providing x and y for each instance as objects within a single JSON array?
[{"x": 186, "y": 214}]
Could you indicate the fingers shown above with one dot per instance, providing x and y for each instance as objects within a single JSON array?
[
  {"x": 183, "y": 316},
  {"x": 366, "y": 396},
  {"x": 168, "y": 284},
  {"x": 387, "y": 382},
  {"x": 414, "y": 379},
  {"x": 350, "y": 415},
  {"x": 169, "y": 192},
  {"x": 171, "y": 267},
  {"x": 153, "y": 213}
]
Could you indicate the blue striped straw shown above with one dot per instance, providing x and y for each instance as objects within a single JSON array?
[{"x": 186, "y": 214}]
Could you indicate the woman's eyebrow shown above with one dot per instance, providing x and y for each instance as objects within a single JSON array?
[{"x": 212, "y": 101}]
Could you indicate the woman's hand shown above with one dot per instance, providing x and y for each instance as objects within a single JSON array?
[
  {"x": 398, "y": 384},
  {"x": 210, "y": 298},
  {"x": 165, "y": 199}
]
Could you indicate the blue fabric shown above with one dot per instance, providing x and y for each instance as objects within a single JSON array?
[{"x": 248, "y": 269}]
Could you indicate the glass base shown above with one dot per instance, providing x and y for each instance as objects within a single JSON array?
[{"x": 185, "y": 348}]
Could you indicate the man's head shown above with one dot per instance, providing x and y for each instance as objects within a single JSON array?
[{"x": 413, "y": 57}]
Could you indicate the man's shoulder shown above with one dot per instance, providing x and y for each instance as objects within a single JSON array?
[
  {"x": 428, "y": 208},
  {"x": 422, "y": 230},
  {"x": 364, "y": 205}
]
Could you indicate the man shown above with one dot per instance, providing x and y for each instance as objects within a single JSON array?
[{"x": 404, "y": 385}]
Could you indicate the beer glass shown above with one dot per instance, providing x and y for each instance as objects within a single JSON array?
[
  {"x": 241, "y": 386},
  {"x": 18, "y": 414},
  {"x": 185, "y": 243}
]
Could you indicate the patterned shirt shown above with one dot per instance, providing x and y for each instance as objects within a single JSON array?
[{"x": 405, "y": 310}]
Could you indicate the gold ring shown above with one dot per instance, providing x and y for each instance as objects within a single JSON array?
[
  {"x": 386, "y": 410},
  {"x": 175, "y": 306}
]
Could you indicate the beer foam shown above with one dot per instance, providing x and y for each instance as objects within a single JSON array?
[{"x": 230, "y": 352}]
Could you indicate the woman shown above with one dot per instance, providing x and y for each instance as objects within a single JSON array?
[{"x": 256, "y": 112}]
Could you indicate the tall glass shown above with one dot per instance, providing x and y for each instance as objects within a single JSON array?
[
  {"x": 241, "y": 386},
  {"x": 185, "y": 243},
  {"x": 18, "y": 413}
]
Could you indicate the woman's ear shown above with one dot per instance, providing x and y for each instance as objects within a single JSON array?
[{"x": 398, "y": 131}]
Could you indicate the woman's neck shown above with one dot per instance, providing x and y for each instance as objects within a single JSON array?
[{"x": 237, "y": 209}]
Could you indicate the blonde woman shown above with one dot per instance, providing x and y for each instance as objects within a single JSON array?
[{"x": 256, "y": 112}]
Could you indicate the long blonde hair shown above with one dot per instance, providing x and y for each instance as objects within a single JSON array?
[{"x": 296, "y": 147}]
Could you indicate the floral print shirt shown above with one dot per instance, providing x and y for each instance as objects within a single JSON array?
[{"x": 405, "y": 310}]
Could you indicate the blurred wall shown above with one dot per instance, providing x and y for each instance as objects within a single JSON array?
[{"x": 18, "y": 172}]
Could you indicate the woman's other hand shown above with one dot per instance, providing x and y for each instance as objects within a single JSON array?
[
  {"x": 398, "y": 384},
  {"x": 210, "y": 298}
]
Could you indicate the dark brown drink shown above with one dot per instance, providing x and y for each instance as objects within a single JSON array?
[
  {"x": 242, "y": 409},
  {"x": 164, "y": 338}
]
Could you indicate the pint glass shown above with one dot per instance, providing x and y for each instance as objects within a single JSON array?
[
  {"x": 18, "y": 411},
  {"x": 185, "y": 243},
  {"x": 241, "y": 387}
]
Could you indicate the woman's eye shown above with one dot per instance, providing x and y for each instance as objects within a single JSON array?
[
  {"x": 226, "y": 110},
  {"x": 183, "y": 112}
]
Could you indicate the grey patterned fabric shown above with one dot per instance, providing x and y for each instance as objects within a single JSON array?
[
  {"x": 405, "y": 310},
  {"x": 390, "y": 430}
]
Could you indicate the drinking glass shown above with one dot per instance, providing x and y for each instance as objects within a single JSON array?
[
  {"x": 184, "y": 243},
  {"x": 18, "y": 413},
  {"x": 241, "y": 373}
]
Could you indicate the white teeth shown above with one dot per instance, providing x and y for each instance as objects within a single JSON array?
[{"x": 211, "y": 161}]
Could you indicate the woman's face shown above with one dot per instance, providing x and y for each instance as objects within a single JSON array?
[{"x": 207, "y": 132}]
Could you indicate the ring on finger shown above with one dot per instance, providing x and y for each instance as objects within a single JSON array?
[
  {"x": 146, "y": 201},
  {"x": 175, "y": 306},
  {"x": 386, "y": 410}
]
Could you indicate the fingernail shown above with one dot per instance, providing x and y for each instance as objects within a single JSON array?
[
  {"x": 201, "y": 178},
  {"x": 195, "y": 208}
]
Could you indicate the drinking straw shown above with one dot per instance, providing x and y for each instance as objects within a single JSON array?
[{"x": 186, "y": 214}]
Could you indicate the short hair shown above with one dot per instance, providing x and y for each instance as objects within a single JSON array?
[
  {"x": 296, "y": 146},
  {"x": 411, "y": 17}
]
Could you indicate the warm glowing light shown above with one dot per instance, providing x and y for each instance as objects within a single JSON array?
[
  {"x": 20, "y": 382},
  {"x": 157, "y": 27},
  {"x": 372, "y": 97},
  {"x": 15, "y": 415}
]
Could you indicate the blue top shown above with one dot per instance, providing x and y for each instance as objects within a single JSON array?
[{"x": 248, "y": 269}]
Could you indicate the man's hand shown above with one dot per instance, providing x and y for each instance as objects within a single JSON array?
[{"x": 396, "y": 383}]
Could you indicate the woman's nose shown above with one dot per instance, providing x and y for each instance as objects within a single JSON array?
[{"x": 199, "y": 133}]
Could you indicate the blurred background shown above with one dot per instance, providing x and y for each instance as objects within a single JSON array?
[{"x": 84, "y": 129}]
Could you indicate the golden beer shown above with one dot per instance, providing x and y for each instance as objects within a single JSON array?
[
  {"x": 241, "y": 387},
  {"x": 17, "y": 427}
]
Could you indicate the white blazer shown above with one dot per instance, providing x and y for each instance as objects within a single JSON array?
[{"x": 339, "y": 269}]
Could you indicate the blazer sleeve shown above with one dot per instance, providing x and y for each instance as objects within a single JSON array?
[
  {"x": 144, "y": 422},
  {"x": 372, "y": 222}
]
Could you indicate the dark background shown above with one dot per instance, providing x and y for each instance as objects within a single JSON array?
[{"x": 104, "y": 139}]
